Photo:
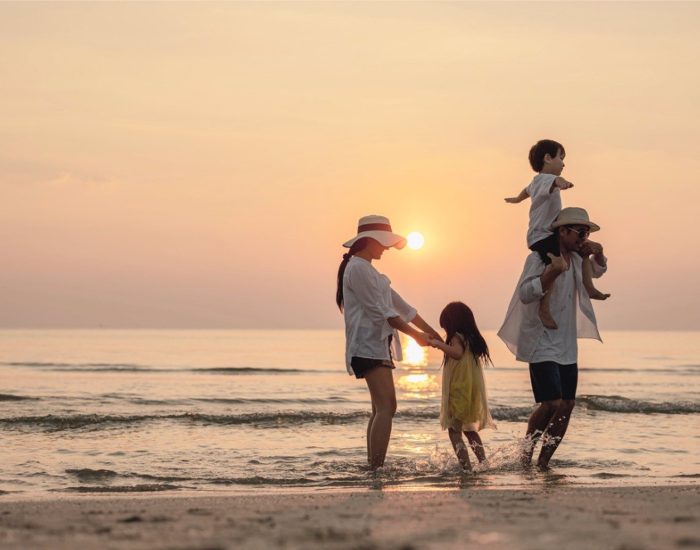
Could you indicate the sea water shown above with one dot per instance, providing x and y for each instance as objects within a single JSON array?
[{"x": 119, "y": 411}]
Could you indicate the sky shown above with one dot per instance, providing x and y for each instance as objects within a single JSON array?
[{"x": 198, "y": 165}]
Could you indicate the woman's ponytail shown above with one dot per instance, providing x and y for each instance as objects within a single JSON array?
[{"x": 354, "y": 249}]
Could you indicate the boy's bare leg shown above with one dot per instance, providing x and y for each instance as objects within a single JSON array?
[
  {"x": 544, "y": 313},
  {"x": 543, "y": 310},
  {"x": 460, "y": 448},
  {"x": 593, "y": 292},
  {"x": 476, "y": 445}
]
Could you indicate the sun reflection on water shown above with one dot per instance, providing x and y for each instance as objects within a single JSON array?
[
  {"x": 413, "y": 354},
  {"x": 418, "y": 385},
  {"x": 415, "y": 379}
]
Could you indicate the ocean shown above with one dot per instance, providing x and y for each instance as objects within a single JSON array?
[{"x": 116, "y": 411}]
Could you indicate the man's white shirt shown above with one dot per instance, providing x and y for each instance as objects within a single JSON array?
[{"x": 569, "y": 304}]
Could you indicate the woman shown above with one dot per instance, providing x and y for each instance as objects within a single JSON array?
[{"x": 373, "y": 313}]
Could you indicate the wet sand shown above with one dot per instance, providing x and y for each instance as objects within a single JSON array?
[{"x": 622, "y": 518}]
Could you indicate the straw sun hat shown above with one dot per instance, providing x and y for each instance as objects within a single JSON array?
[
  {"x": 574, "y": 216},
  {"x": 379, "y": 229}
]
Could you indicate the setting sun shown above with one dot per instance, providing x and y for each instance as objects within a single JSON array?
[{"x": 415, "y": 240}]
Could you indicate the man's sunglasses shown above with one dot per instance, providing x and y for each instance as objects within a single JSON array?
[{"x": 582, "y": 233}]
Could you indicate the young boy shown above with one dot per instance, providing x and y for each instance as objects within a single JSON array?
[{"x": 547, "y": 159}]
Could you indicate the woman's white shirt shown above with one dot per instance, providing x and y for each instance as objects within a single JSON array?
[{"x": 368, "y": 303}]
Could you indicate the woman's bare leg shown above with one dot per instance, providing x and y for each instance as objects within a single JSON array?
[
  {"x": 476, "y": 445},
  {"x": 380, "y": 382},
  {"x": 369, "y": 430},
  {"x": 460, "y": 448}
]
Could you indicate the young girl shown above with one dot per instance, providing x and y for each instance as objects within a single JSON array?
[{"x": 464, "y": 407}]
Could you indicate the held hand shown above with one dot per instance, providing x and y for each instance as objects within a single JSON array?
[
  {"x": 434, "y": 342},
  {"x": 558, "y": 263},
  {"x": 512, "y": 200},
  {"x": 422, "y": 339}
]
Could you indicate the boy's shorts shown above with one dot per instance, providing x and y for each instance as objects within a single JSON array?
[
  {"x": 552, "y": 381},
  {"x": 548, "y": 244}
]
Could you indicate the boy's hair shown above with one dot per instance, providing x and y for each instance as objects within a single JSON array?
[{"x": 540, "y": 149}]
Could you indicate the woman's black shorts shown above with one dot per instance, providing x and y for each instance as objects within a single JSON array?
[{"x": 362, "y": 365}]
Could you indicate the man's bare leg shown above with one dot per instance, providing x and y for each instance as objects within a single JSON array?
[
  {"x": 555, "y": 431},
  {"x": 460, "y": 448},
  {"x": 536, "y": 426},
  {"x": 476, "y": 445},
  {"x": 593, "y": 292}
]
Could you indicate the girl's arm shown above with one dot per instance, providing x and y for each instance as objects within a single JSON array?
[
  {"x": 520, "y": 198},
  {"x": 425, "y": 327},
  {"x": 455, "y": 349},
  {"x": 399, "y": 324}
]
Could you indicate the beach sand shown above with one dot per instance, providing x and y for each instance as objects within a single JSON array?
[{"x": 552, "y": 516}]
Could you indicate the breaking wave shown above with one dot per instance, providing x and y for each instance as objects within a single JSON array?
[{"x": 619, "y": 404}]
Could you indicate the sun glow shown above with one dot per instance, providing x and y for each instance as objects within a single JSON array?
[
  {"x": 414, "y": 355},
  {"x": 415, "y": 240}
]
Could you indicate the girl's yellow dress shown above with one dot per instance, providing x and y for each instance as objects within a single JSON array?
[{"x": 464, "y": 404}]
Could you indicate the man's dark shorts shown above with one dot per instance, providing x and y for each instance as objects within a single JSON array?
[
  {"x": 552, "y": 381},
  {"x": 547, "y": 245}
]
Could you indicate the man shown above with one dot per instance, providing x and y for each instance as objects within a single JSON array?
[{"x": 553, "y": 353}]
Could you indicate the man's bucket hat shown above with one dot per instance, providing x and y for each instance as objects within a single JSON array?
[{"x": 574, "y": 216}]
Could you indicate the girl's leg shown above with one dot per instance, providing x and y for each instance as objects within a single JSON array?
[
  {"x": 380, "y": 382},
  {"x": 593, "y": 292},
  {"x": 460, "y": 448},
  {"x": 476, "y": 445}
]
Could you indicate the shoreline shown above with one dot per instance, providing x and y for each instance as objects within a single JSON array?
[
  {"x": 543, "y": 481},
  {"x": 564, "y": 515}
]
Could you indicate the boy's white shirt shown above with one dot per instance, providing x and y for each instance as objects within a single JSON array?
[
  {"x": 523, "y": 331},
  {"x": 368, "y": 302},
  {"x": 544, "y": 207}
]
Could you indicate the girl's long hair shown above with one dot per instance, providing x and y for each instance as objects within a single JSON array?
[
  {"x": 358, "y": 245},
  {"x": 458, "y": 317}
]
